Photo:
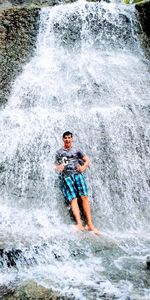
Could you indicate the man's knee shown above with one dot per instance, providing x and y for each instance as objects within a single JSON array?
[
  {"x": 84, "y": 198},
  {"x": 74, "y": 200}
]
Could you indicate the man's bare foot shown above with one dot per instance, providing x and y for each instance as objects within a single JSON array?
[
  {"x": 93, "y": 229},
  {"x": 80, "y": 227}
]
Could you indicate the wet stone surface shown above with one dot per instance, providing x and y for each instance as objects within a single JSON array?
[{"x": 19, "y": 29}]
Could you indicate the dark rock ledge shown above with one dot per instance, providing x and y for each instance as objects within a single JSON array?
[
  {"x": 143, "y": 11},
  {"x": 18, "y": 31}
]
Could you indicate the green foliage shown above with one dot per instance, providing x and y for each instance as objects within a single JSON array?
[{"x": 133, "y": 1}]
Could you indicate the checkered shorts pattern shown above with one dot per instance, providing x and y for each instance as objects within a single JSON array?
[{"x": 73, "y": 186}]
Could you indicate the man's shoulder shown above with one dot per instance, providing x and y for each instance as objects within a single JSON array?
[
  {"x": 79, "y": 152},
  {"x": 78, "y": 149},
  {"x": 59, "y": 151}
]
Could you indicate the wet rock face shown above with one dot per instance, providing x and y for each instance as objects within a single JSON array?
[
  {"x": 143, "y": 10},
  {"x": 31, "y": 290},
  {"x": 24, "y": 3},
  {"x": 19, "y": 21},
  {"x": 148, "y": 262},
  {"x": 144, "y": 16},
  {"x": 18, "y": 31}
]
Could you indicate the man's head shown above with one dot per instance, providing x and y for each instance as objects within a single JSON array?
[{"x": 67, "y": 139}]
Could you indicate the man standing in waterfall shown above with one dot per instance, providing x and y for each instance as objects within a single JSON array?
[{"x": 71, "y": 162}]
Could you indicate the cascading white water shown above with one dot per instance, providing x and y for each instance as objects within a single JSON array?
[{"x": 88, "y": 75}]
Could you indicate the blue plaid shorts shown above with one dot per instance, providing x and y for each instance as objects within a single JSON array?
[{"x": 74, "y": 186}]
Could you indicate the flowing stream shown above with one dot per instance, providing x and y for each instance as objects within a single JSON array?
[{"x": 88, "y": 75}]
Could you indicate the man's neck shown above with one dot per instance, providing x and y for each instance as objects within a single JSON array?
[{"x": 67, "y": 148}]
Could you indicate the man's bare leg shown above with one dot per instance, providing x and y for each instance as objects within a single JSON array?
[
  {"x": 76, "y": 213},
  {"x": 87, "y": 210}
]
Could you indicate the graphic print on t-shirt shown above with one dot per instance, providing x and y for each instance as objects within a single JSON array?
[
  {"x": 69, "y": 160},
  {"x": 65, "y": 160}
]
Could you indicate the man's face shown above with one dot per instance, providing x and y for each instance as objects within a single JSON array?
[{"x": 68, "y": 140}]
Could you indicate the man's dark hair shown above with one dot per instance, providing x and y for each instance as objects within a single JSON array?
[{"x": 67, "y": 133}]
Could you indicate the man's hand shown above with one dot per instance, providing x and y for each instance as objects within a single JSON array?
[
  {"x": 85, "y": 165},
  {"x": 59, "y": 168},
  {"x": 81, "y": 168}
]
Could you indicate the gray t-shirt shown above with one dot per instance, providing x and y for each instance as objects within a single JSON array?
[{"x": 70, "y": 158}]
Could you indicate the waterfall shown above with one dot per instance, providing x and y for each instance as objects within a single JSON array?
[{"x": 88, "y": 75}]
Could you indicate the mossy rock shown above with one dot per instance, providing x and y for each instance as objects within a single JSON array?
[
  {"x": 19, "y": 28},
  {"x": 32, "y": 290}
]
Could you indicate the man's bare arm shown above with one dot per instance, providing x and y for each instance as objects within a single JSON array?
[
  {"x": 59, "y": 168},
  {"x": 85, "y": 165}
]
